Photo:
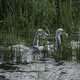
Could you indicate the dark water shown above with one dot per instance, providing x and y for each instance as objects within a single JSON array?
[
  {"x": 3, "y": 77},
  {"x": 55, "y": 71}
]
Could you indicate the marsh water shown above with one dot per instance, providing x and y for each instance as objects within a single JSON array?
[{"x": 40, "y": 70}]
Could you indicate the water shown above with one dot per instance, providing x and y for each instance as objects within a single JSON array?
[{"x": 44, "y": 71}]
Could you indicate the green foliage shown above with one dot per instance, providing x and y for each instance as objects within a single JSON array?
[
  {"x": 19, "y": 19},
  {"x": 66, "y": 49},
  {"x": 78, "y": 54},
  {"x": 6, "y": 54}
]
